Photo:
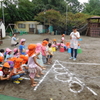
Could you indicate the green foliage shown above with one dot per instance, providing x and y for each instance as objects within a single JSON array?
[{"x": 92, "y": 8}]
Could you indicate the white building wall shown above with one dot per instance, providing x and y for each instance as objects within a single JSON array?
[{"x": 3, "y": 30}]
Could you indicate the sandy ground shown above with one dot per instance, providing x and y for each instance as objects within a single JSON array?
[{"x": 86, "y": 68}]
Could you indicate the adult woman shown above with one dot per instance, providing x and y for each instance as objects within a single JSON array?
[{"x": 74, "y": 36}]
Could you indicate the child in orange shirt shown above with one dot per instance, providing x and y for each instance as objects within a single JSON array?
[{"x": 17, "y": 71}]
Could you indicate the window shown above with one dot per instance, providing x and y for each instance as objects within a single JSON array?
[
  {"x": 31, "y": 26},
  {"x": 21, "y": 25}
]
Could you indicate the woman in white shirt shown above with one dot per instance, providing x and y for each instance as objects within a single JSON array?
[{"x": 74, "y": 36}]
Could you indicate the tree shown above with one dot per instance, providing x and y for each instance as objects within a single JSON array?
[
  {"x": 92, "y": 8},
  {"x": 74, "y": 6}
]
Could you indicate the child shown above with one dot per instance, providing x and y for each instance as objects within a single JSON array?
[
  {"x": 14, "y": 40},
  {"x": 22, "y": 47},
  {"x": 63, "y": 45},
  {"x": 24, "y": 63},
  {"x": 44, "y": 52},
  {"x": 39, "y": 55},
  {"x": 2, "y": 52},
  {"x": 50, "y": 53},
  {"x": 16, "y": 52},
  {"x": 1, "y": 59},
  {"x": 9, "y": 54},
  {"x": 17, "y": 71},
  {"x": 32, "y": 64},
  {"x": 5, "y": 72},
  {"x": 63, "y": 35},
  {"x": 55, "y": 44}
]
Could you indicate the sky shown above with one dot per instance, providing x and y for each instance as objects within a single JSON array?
[{"x": 82, "y": 1}]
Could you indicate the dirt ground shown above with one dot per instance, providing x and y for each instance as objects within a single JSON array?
[{"x": 86, "y": 68}]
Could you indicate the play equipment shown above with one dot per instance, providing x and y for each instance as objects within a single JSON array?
[
  {"x": 62, "y": 49},
  {"x": 69, "y": 50},
  {"x": 79, "y": 50},
  {"x": 53, "y": 49}
]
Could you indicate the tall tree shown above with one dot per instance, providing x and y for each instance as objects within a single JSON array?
[{"x": 92, "y": 7}]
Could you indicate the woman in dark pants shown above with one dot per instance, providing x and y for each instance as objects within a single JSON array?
[{"x": 74, "y": 36}]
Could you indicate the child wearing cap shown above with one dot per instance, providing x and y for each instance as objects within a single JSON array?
[
  {"x": 32, "y": 64},
  {"x": 15, "y": 52},
  {"x": 5, "y": 72},
  {"x": 22, "y": 47},
  {"x": 55, "y": 44},
  {"x": 44, "y": 51},
  {"x": 9, "y": 54},
  {"x": 63, "y": 35},
  {"x": 39, "y": 55},
  {"x": 17, "y": 71}
]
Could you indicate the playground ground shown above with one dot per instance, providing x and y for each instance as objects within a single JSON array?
[{"x": 86, "y": 68}]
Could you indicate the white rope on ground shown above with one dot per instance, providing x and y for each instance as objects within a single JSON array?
[
  {"x": 80, "y": 63},
  {"x": 44, "y": 77},
  {"x": 70, "y": 81}
]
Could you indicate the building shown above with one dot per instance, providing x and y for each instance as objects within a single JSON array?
[
  {"x": 2, "y": 30},
  {"x": 28, "y": 26},
  {"x": 93, "y": 28}
]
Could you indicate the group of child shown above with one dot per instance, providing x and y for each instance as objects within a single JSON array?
[{"x": 15, "y": 63}]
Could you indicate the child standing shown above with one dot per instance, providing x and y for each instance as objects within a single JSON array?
[
  {"x": 39, "y": 54},
  {"x": 44, "y": 52},
  {"x": 63, "y": 35},
  {"x": 50, "y": 55},
  {"x": 32, "y": 64},
  {"x": 22, "y": 47}
]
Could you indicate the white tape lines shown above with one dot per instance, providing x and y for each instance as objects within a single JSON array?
[
  {"x": 71, "y": 76},
  {"x": 28, "y": 78},
  {"x": 44, "y": 77},
  {"x": 80, "y": 63}
]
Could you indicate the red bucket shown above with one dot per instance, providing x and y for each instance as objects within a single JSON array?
[{"x": 62, "y": 49}]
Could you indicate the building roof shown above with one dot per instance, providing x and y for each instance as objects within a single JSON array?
[{"x": 94, "y": 17}]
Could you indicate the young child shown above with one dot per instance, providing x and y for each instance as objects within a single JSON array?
[
  {"x": 5, "y": 72},
  {"x": 39, "y": 54},
  {"x": 9, "y": 54},
  {"x": 32, "y": 64},
  {"x": 2, "y": 52},
  {"x": 14, "y": 40},
  {"x": 63, "y": 45},
  {"x": 50, "y": 53},
  {"x": 1, "y": 59},
  {"x": 44, "y": 51},
  {"x": 55, "y": 44},
  {"x": 24, "y": 63},
  {"x": 17, "y": 71},
  {"x": 63, "y": 35},
  {"x": 15, "y": 52},
  {"x": 22, "y": 47}
]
